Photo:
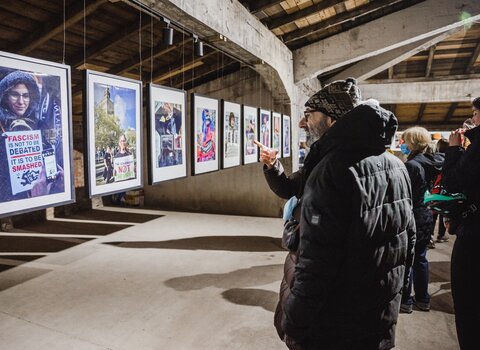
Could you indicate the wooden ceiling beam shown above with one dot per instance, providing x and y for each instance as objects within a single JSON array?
[
  {"x": 261, "y": 5},
  {"x": 431, "y": 54},
  {"x": 421, "y": 112},
  {"x": 273, "y": 23},
  {"x": 75, "y": 13},
  {"x": 450, "y": 112},
  {"x": 337, "y": 19},
  {"x": 474, "y": 58},
  {"x": 110, "y": 41}
]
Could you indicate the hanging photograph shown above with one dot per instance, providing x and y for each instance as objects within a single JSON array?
[
  {"x": 265, "y": 135},
  {"x": 35, "y": 142},
  {"x": 277, "y": 133},
  {"x": 287, "y": 137},
  {"x": 231, "y": 134},
  {"x": 205, "y": 134},
  {"x": 167, "y": 151},
  {"x": 250, "y": 129},
  {"x": 114, "y": 133}
]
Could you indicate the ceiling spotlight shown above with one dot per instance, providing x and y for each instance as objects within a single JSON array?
[
  {"x": 198, "y": 46},
  {"x": 168, "y": 34}
]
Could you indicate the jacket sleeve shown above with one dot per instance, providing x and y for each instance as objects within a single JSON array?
[
  {"x": 462, "y": 167},
  {"x": 412, "y": 237},
  {"x": 283, "y": 186},
  {"x": 324, "y": 225}
]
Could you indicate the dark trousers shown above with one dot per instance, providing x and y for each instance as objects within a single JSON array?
[
  {"x": 465, "y": 274},
  {"x": 418, "y": 276}
]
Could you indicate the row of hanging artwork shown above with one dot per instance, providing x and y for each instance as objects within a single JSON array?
[{"x": 36, "y": 134}]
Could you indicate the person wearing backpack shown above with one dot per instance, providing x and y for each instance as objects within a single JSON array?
[
  {"x": 460, "y": 175},
  {"x": 422, "y": 167}
]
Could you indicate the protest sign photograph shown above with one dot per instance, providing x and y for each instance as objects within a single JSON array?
[
  {"x": 250, "y": 134},
  {"x": 114, "y": 133},
  {"x": 35, "y": 128},
  {"x": 205, "y": 134},
  {"x": 167, "y": 150},
  {"x": 231, "y": 135}
]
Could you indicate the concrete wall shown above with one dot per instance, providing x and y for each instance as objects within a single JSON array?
[{"x": 241, "y": 190}]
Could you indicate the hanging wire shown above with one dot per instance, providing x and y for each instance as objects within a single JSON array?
[
  {"x": 193, "y": 60},
  {"x": 64, "y": 29},
  {"x": 140, "y": 43},
  {"x": 84, "y": 36},
  {"x": 151, "y": 49},
  {"x": 183, "y": 58}
]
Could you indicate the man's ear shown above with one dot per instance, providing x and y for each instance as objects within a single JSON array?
[{"x": 331, "y": 121}]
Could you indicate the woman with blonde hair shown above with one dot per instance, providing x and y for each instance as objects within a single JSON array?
[{"x": 422, "y": 167}]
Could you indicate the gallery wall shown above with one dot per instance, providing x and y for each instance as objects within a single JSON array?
[{"x": 240, "y": 190}]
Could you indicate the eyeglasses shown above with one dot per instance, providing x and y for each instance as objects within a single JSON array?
[{"x": 16, "y": 96}]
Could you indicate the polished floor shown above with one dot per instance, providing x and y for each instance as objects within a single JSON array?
[{"x": 117, "y": 278}]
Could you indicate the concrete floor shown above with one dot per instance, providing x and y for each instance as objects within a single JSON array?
[{"x": 181, "y": 281}]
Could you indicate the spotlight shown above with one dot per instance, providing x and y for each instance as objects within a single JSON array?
[
  {"x": 198, "y": 46},
  {"x": 168, "y": 34}
]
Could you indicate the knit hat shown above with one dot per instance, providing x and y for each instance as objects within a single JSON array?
[{"x": 336, "y": 99}]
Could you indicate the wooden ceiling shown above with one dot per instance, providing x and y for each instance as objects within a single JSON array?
[{"x": 112, "y": 36}]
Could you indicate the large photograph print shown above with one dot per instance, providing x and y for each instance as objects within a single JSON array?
[
  {"x": 265, "y": 134},
  {"x": 287, "y": 136},
  {"x": 114, "y": 133},
  {"x": 250, "y": 134},
  {"x": 167, "y": 133},
  {"x": 277, "y": 133},
  {"x": 231, "y": 134},
  {"x": 205, "y": 134},
  {"x": 35, "y": 129}
]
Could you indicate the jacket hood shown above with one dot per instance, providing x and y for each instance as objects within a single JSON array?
[
  {"x": 9, "y": 81},
  {"x": 432, "y": 163},
  {"x": 366, "y": 127}
]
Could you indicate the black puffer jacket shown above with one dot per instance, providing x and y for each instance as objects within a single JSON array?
[
  {"x": 357, "y": 238},
  {"x": 461, "y": 174},
  {"x": 423, "y": 169}
]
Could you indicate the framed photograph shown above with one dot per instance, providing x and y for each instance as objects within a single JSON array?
[
  {"x": 231, "y": 134},
  {"x": 277, "y": 133},
  {"x": 114, "y": 133},
  {"x": 265, "y": 127},
  {"x": 205, "y": 134},
  {"x": 286, "y": 136},
  {"x": 36, "y": 134},
  {"x": 167, "y": 149},
  {"x": 250, "y": 134}
]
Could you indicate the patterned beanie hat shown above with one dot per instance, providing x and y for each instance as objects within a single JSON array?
[{"x": 336, "y": 99}]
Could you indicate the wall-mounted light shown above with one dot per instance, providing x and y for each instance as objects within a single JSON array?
[
  {"x": 167, "y": 33},
  {"x": 198, "y": 46}
]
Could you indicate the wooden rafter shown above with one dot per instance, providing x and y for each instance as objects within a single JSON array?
[
  {"x": 474, "y": 58},
  {"x": 110, "y": 41},
  {"x": 337, "y": 19},
  {"x": 279, "y": 21},
  {"x": 390, "y": 72},
  {"x": 133, "y": 61},
  {"x": 450, "y": 112},
  {"x": 431, "y": 54},
  {"x": 421, "y": 112},
  {"x": 74, "y": 14},
  {"x": 261, "y": 5}
]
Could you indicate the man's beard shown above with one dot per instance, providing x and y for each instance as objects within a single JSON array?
[{"x": 316, "y": 132}]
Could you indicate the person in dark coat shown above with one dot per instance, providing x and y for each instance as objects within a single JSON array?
[
  {"x": 422, "y": 168},
  {"x": 460, "y": 175},
  {"x": 347, "y": 93},
  {"x": 357, "y": 236}
]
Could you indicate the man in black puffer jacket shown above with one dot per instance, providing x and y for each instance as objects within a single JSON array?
[{"x": 357, "y": 236}]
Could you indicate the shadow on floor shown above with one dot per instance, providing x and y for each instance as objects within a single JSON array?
[
  {"x": 21, "y": 274},
  {"x": 442, "y": 302},
  {"x": 108, "y": 215},
  {"x": 439, "y": 271},
  {"x": 71, "y": 228},
  {"x": 229, "y": 243},
  {"x": 265, "y": 299},
  {"x": 253, "y": 276}
]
